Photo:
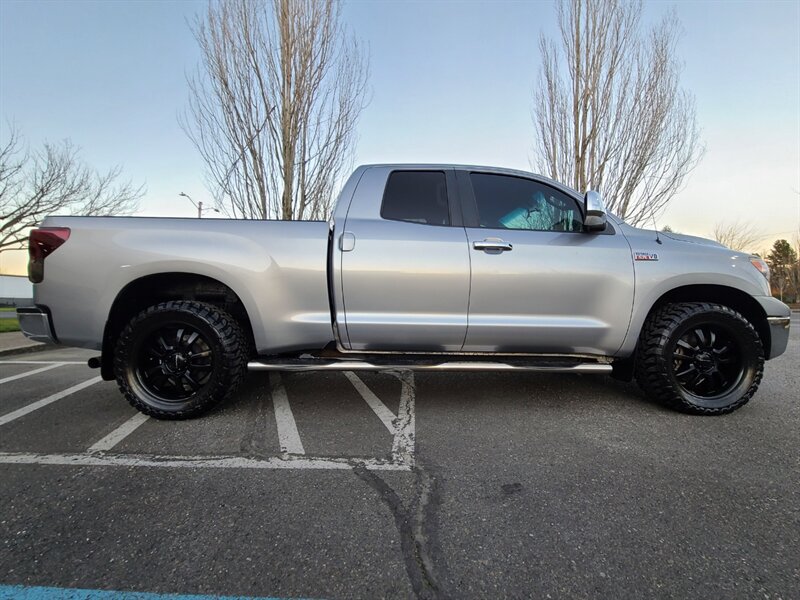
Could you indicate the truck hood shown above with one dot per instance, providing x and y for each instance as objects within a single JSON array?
[{"x": 691, "y": 239}]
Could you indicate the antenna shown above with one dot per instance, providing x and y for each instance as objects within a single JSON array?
[{"x": 655, "y": 226}]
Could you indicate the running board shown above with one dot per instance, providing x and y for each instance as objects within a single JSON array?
[{"x": 318, "y": 364}]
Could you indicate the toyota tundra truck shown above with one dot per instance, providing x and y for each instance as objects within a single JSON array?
[{"x": 425, "y": 267}]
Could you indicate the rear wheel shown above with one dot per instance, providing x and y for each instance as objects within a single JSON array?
[
  {"x": 699, "y": 358},
  {"x": 178, "y": 359}
]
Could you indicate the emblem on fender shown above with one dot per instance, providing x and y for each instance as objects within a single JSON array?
[{"x": 645, "y": 256}]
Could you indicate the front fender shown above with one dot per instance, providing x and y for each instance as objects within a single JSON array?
[{"x": 720, "y": 268}]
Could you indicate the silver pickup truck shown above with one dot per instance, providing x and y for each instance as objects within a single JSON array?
[{"x": 435, "y": 267}]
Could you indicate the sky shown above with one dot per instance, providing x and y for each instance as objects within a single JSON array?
[{"x": 451, "y": 82}]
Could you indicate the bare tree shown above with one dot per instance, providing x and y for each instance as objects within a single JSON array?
[
  {"x": 274, "y": 110},
  {"x": 737, "y": 235},
  {"x": 34, "y": 184},
  {"x": 608, "y": 109}
]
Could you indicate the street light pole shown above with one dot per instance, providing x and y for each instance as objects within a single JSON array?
[{"x": 197, "y": 205}]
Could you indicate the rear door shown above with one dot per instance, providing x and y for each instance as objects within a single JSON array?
[
  {"x": 539, "y": 284},
  {"x": 405, "y": 262}
]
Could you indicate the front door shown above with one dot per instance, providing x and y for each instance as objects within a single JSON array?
[
  {"x": 405, "y": 263},
  {"x": 540, "y": 284}
]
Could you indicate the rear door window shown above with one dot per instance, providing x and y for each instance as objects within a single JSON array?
[{"x": 416, "y": 197}]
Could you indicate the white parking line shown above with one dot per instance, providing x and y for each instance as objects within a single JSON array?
[
  {"x": 28, "y": 373},
  {"x": 193, "y": 462},
  {"x": 384, "y": 414},
  {"x": 403, "y": 426},
  {"x": 42, "y": 362},
  {"x": 288, "y": 436},
  {"x": 120, "y": 433},
  {"x": 45, "y": 401}
]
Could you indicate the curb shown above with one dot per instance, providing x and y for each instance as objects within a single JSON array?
[{"x": 27, "y": 349}]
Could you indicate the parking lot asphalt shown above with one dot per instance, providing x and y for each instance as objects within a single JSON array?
[{"x": 393, "y": 485}]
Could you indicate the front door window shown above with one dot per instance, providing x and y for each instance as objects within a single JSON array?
[{"x": 506, "y": 202}]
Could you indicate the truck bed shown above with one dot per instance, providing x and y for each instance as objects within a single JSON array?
[{"x": 278, "y": 269}]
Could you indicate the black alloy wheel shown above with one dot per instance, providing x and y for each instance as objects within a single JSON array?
[
  {"x": 707, "y": 360},
  {"x": 175, "y": 362}
]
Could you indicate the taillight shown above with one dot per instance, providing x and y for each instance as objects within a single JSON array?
[{"x": 41, "y": 243}]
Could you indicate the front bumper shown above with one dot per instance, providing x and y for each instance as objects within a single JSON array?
[
  {"x": 779, "y": 317},
  {"x": 36, "y": 325},
  {"x": 779, "y": 335}
]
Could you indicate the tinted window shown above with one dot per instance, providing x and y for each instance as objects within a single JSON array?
[
  {"x": 416, "y": 196},
  {"x": 506, "y": 202}
]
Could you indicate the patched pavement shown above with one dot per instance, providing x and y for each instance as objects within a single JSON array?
[{"x": 393, "y": 485}]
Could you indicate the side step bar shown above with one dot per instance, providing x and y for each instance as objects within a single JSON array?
[{"x": 317, "y": 364}]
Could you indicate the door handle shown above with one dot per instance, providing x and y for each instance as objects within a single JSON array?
[{"x": 493, "y": 245}]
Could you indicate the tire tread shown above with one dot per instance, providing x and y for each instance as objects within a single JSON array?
[{"x": 652, "y": 369}]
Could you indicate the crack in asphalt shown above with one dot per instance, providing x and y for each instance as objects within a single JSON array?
[{"x": 415, "y": 524}]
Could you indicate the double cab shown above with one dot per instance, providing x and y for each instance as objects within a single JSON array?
[{"x": 435, "y": 267}]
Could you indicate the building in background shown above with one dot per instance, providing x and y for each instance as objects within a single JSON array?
[{"x": 15, "y": 290}]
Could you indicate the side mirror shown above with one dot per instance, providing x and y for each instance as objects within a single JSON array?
[{"x": 594, "y": 212}]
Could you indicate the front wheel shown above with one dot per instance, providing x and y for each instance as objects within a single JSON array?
[
  {"x": 699, "y": 358},
  {"x": 178, "y": 359}
]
